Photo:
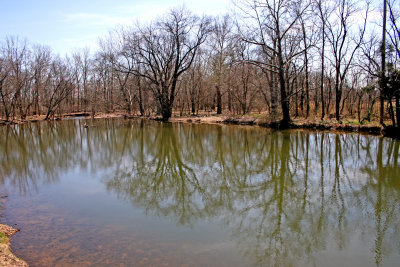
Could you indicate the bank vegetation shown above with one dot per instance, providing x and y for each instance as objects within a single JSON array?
[{"x": 285, "y": 60}]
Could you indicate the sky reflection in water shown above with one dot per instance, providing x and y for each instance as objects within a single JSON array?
[{"x": 145, "y": 193}]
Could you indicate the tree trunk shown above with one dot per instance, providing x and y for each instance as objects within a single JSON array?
[
  {"x": 306, "y": 71},
  {"x": 392, "y": 112},
  {"x": 302, "y": 100},
  {"x": 193, "y": 104},
  {"x": 359, "y": 108},
  {"x": 219, "y": 100},
  {"x": 140, "y": 98},
  {"x": 322, "y": 65},
  {"x": 398, "y": 109},
  {"x": 166, "y": 108},
  {"x": 338, "y": 96},
  {"x": 36, "y": 99},
  {"x": 284, "y": 98},
  {"x": 322, "y": 97},
  {"x": 383, "y": 63},
  {"x": 297, "y": 96},
  {"x": 4, "y": 101},
  {"x": 274, "y": 96}
]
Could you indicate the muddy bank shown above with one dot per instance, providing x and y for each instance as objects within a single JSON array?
[
  {"x": 7, "y": 258},
  {"x": 326, "y": 125},
  {"x": 77, "y": 115},
  {"x": 388, "y": 131}
]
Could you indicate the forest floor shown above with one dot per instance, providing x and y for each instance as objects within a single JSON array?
[{"x": 348, "y": 124}]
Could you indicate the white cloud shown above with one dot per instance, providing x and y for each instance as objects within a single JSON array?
[
  {"x": 149, "y": 10},
  {"x": 84, "y": 28},
  {"x": 92, "y": 19}
]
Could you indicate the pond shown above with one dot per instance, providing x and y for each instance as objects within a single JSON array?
[{"x": 146, "y": 193}]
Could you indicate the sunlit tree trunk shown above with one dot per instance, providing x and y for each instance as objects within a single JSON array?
[{"x": 383, "y": 64}]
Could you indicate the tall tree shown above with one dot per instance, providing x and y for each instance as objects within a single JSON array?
[
  {"x": 17, "y": 55},
  {"x": 343, "y": 44},
  {"x": 272, "y": 27},
  {"x": 221, "y": 45},
  {"x": 60, "y": 87},
  {"x": 4, "y": 72},
  {"x": 323, "y": 14},
  {"x": 383, "y": 63},
  {"x": 394, "y": 36},
  {"x": 307, "y": 43},
  {"x": 165, "y": 50},
  {"x": 41, "y": 61}
]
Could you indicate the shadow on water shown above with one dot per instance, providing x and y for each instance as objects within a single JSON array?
[{"x": 286, "y": 198}]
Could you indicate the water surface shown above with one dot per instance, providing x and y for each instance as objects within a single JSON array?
[{"x": 143, "y": 193}]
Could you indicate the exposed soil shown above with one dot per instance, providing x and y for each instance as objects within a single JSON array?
[
  {"x": 326, "y": 125},
  {"x": 372, "y": 127},
  {"x": 7, "y": 258}
]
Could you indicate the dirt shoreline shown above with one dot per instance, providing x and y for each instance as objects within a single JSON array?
[
  {"x": 7, "y": 258},
  {"x": 372, "y": 128},
  {"x": 332, "y": 126}
]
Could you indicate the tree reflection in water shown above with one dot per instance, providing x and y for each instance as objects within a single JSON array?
[{"x": 285, "y": 196}]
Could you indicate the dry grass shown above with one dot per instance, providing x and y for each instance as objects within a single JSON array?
[{"x": 7, "y": 258}]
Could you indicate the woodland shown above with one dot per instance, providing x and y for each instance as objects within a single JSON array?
[{"x": 282, "y": 59}]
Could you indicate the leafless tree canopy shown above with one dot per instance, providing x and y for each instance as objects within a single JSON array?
[{"x": 285, "y": 59}]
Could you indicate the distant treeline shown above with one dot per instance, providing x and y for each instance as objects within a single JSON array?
[{"x": 289, "y": 58}]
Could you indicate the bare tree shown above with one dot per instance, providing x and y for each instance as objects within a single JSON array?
[
  {"x": 81, "y": 71},
  {"x": 323, "y": 12},
  {"x": 383, "y": 79},
  {"x": 307, "y": 29},
  {"x": 274, "y": 28},
  {"x": 112, "y": 52},
  {"x": 343, "y": 44},
  {"x": 105, "y": 79},
  {"x": 4, "y": 72},
  {"x": 16, "y": 78},
  {"x": 41, "y": 60},
  {"x": 271, "y": 58},
  {"x": 60, "y": 87},
  {"x": 165, "y": 50},
  {"x": 394, "y": 36},
  {"x": 194, "y": 81},
  {"x": 243, "y": 83},
  {"x": 221, "y": 46}
]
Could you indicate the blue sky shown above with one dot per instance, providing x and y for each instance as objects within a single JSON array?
[{"x": 66, "y": 25}]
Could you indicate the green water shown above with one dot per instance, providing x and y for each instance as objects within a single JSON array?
[{"x": 143, "y": 193}]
